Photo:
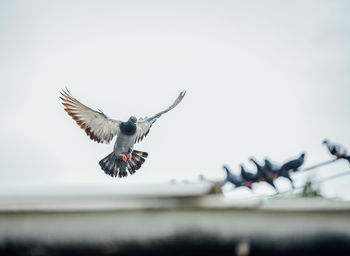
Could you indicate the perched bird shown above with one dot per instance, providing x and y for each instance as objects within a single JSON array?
[
  {"x": 102, "y": 129},
  {"x": 264, "y": 174},
  {"x": 293, "y": 164},
  {"x": 273, "y": 168},
  {"x": 337, "y": 150},
  {"x": 235, "y": 180},
  {"x": 276, "y": 171},
  {"x": 248, "y": 176}
]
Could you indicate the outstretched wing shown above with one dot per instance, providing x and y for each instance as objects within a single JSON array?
[
  {"x": 145, "y": 124},
  {"x": 96, "y": 124}
]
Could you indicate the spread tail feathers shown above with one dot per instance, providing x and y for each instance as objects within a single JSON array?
[{"x": 114, "y": 165}]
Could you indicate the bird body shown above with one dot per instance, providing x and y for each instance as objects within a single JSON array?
[
  {"x": 337, "y": 150},
  {"x": 276, "y": 171},
  {"x": 102, "y": 129},
  {"x": 270, "y": 166},
  {"x": 272, "y": 170},
  {"x": 235, "y": 180},
  {"x": 126, "y": 139},
  {"x": 264, "y": 174},
  {"x": 293, "y": 164}
]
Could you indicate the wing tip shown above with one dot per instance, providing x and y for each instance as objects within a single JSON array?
[{"x": 65, "y": 93}]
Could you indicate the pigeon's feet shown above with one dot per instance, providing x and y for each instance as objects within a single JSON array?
[
  {"x": 123, "y": 157},
  {"x": 129, "y": 157},
  {"x": 248, "y": 184}
]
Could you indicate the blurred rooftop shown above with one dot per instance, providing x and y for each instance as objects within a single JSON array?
[{"x": 182, "y": 211}]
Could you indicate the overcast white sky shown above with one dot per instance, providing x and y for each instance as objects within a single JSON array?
[{"x": 264, "y": 78}]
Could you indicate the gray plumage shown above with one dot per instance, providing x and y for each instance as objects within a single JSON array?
[{"x": 102, "y": 129}]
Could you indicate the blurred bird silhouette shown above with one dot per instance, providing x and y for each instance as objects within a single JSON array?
[
  {"x": 236, "y": 180},
  {"x": 248, "y": 176},
  {"x": 336, "y": 150},
  {"x": 264, "y": 174},
  {"x": 292, "y": 165},
  {"x": 271, "y": 167}
]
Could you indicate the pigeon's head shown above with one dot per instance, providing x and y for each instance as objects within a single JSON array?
[
  {"x": 267, "y": 162},
  {"x": 227, "y": 170},
  {"x": 132, "y": 119},
  {"x": 302, "y": 155},
  {"x": 325, "y": 141}
]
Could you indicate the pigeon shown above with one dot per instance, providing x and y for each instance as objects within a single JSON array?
[
  {"x": 248, "y": 176},
  {"x": 293, "y": 164},
  {"x": 264, "y": 175},
  {"x": 235, "y": 180},
  {"x": 337, "y": 150},
  {"x": 276, "y": 171},
  {"x": 102, "y": 129},
  {"x": 273, "y": 168}
]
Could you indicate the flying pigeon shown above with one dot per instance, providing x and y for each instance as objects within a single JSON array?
[
  {"x": 102, "y": 129},
  {"x": 337, "y": 150},
  {"x": 264, "y": 175},
  {"x": 235, "y": 180}
]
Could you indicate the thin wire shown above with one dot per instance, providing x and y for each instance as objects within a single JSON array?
[
  {"x": 318, "y": 165},
  {"x": 301, "y": 187},
  {"x": 312, "y": 167},
  {"x": 332, "y": 177},
  {"x": 315, "y": 182}
]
